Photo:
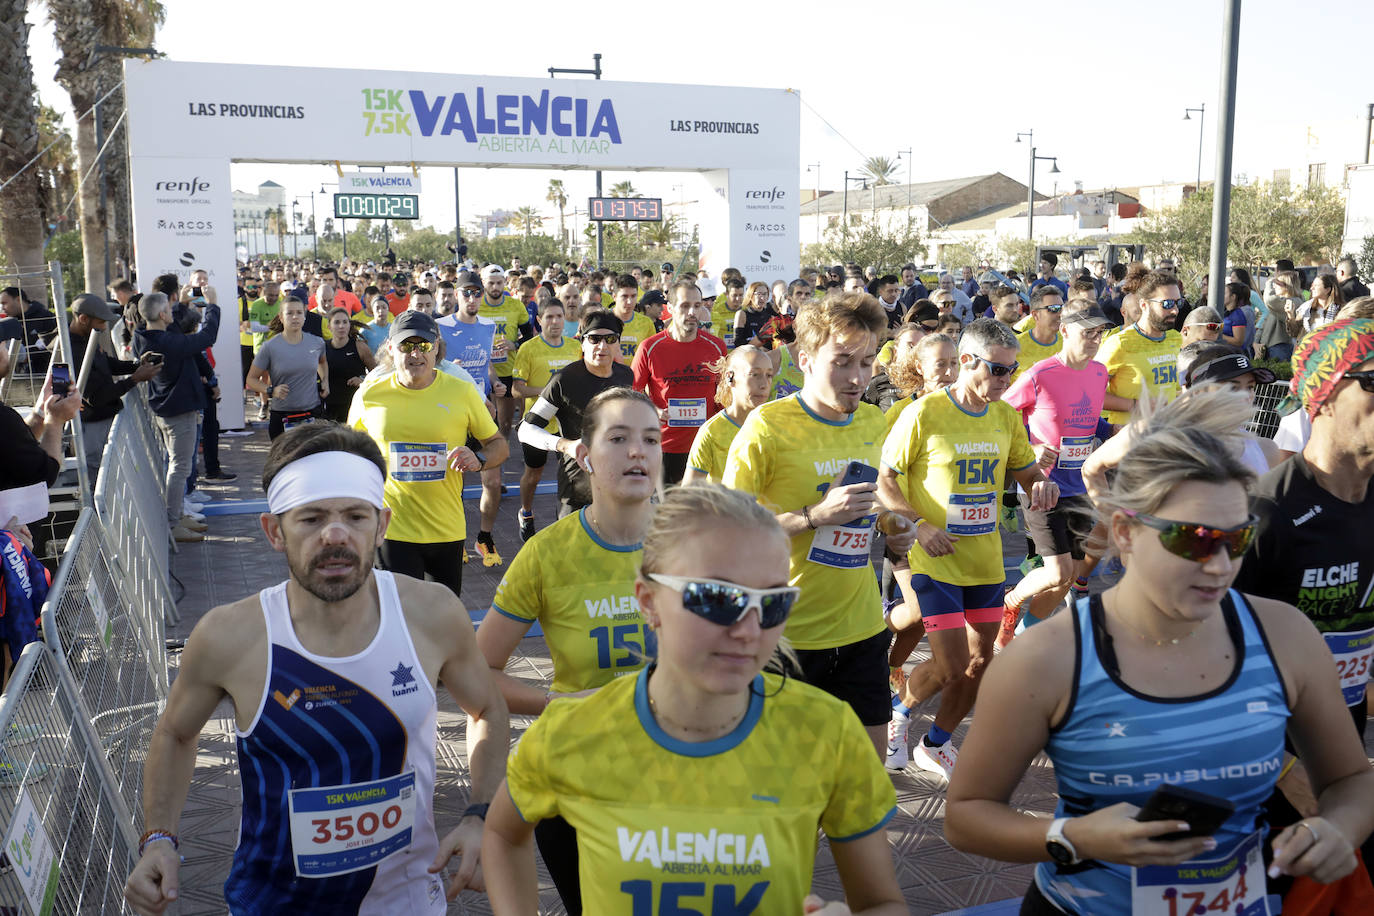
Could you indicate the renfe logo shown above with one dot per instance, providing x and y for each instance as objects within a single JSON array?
[
  {"x": 772, "y": 194},
  {"x": 514, "y": 115},
  {"x": 194, "y": 186}
]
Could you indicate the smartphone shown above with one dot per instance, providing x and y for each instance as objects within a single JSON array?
[
  {"x": 858, "y": 472},
  {"x": 61, "y": 379},
  {"x": 153, "y": 358},
  {"x": 195, "y": 291},
  {"x": 1203, "y": 813}
]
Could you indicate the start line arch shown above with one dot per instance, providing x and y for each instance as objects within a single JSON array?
[{"x": 189, "y": 121}]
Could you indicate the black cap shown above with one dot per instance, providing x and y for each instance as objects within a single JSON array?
[
  {"x": 653, "y": 297},
  {"x": 93, "y": 305},
  {"x": 667, "y": 266},
  {"x": 600, "y": 320},
  {"x": 465, "y": 279},
  {"x": 1224, "y": 368},
  {"x": 411, "y": 323},
  {"x": 927, "y": 312}
]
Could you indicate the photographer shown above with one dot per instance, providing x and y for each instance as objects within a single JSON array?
[
  {"x": 102, "y": 397},
  {"x": 177, "y": 393}
]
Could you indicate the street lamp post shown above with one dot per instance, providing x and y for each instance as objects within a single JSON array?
[
  {"x": 343, "y": 223},
  {"x": 1201, "y": 115},
  {"x": 817, "y": 167},
  {"x": 595, "y": 73},
  {"x": 908, "y": 185},
  {"x": 314, "y": 234},
  {"x": 1030, "y": 190},
  {"x": 844, "y": 220}
]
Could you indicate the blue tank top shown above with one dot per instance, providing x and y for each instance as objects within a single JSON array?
[
  {"x": 1116, "y": 744},
  {"x": 337, "y": 772}
]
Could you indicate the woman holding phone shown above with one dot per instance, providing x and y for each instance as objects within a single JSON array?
[{"x": 1177, "y": 680}]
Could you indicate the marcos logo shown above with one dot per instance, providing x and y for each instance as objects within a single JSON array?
[
  {"x": 186, "y": 224},
  {"x": 514, "y": 115},
  {"x": 193, "y": 186}
]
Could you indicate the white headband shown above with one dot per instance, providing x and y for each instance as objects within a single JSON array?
[{"x": 324, "y": 475}]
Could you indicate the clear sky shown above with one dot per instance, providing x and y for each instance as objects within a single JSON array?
[{"x": 1103, "y": 85}]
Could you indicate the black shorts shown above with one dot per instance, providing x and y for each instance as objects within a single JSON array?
[
  {"x": 534, "y": 457},
  {"x": 438, "y": 562},
  {"x": 855, "y": 673},
  {"x": 1062, "y": 529},
  {"x": 674, "y": 466}
]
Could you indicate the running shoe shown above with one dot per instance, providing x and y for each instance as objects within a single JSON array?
[
  {"x": 235, "y": 433},
  {"x": 1034, "y": 561},
  {"x": 222, "y": 476},
  {"x": 198, "y": 496},
  {"x": 937, "y": 760},
  {"x": 526, "y": 526},
  {"x": 1009, "y": 520},
  {"x": 898, "y": 751},
  {"x": 1010, "y": 616},
  {"x": 488, "y": 554},
  {"x": 262, "y": 412}
]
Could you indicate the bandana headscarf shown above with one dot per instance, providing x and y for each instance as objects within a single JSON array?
[{"x": 1322, "y": 359}]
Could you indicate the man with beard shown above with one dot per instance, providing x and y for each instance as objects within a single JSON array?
[
  {"x": 1142, "y": 360},
  {"x": 332, "y": 675}
]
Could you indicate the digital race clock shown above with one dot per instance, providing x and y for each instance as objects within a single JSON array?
[
  {"x": 377, "y": 206},
  {"x": 625, "y": 208}
]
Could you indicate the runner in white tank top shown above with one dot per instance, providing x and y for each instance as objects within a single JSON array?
[{"x": 332, "y": 675}]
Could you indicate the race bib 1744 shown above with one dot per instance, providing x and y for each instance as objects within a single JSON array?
[
  {"x": 1231, "y": 884},
  {"x": 341, "y": 829},
  {"x": 412, "y": 462}
]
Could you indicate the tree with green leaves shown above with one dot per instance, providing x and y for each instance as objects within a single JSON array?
[
  {"x": 879, "y": 169},
  {"x": 79, "y": 26},
  {"x": 1268, "y": 222},
  {"x": 21, "y": 201},
  {"x": 558, "y": 196},
  {"x": 870, "y": 244},
  {"x": 526, "y": 220}
]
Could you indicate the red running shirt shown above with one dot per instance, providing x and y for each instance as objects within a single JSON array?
[{"x": 675, "y": 377}]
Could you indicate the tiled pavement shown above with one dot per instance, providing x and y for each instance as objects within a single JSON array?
[{"x": 234, "y": 561}]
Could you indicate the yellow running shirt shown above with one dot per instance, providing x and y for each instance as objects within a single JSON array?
[
  {"x": 416, "y": 429},
  {"x": 953, "y": 467},
  {"x": 789, "y": 378},
  {"x": 787, "y": 457},
  {"x": 723, "y": 826},
  {"x": 723, "y": 319},
  {"x": 582, "y": 592},
  {"x": 1033, "y": 351},
  {"x": 638, "y": 329},
  {"x": 536, "y": 362},
  {"x": 508, "y": 316},
  {"x": 1137, "y": 363},
  {"x": 712, "y": 445}
]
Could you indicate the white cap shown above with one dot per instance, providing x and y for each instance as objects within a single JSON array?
[
  {"x": 492, "y": 270},
  {"x": 707, "y": 287}
]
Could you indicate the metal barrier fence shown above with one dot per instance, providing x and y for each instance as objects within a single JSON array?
[
  {"x": 130, "y": 499},
  {"x": 67, "y": 835},
  {"x": 111, "y": 651},
  {"x": 1266, "y": 422}
]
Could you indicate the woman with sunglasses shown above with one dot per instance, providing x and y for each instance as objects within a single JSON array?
[
  {"x": 576, "y": 578},
  {"x": 1176, "y": 679},
  {"x": 698, "y": 784},
  {"x": 751, "y": 318}
]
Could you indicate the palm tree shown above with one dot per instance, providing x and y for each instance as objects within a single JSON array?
[
  {"x": 276, "y": 223},
  {"x": 558, "y": 196},
  {"x": 79, "y": 26},
  {"x": 879, "y": 170},
  {"x": 21, "y": 217},
  {"x": 526, "y": 219},
  {"x": 661, "y": 234},
  {"x": 624, "y": 189},
  {"x": 56, "y": 169}
]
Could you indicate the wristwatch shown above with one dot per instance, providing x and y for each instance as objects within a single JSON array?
[
  {"x": 478, "y": 811},
  {"x": 1058, "y": 845},
  {"x": 269, "y": 391}
]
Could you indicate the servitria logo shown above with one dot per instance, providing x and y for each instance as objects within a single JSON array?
[{"x": 765, "y": 256}]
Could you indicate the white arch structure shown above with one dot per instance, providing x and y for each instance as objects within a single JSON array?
[{"x": 188, "y": 121}]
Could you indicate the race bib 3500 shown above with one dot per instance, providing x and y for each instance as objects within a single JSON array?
[{"x": 339, "y": 829}]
